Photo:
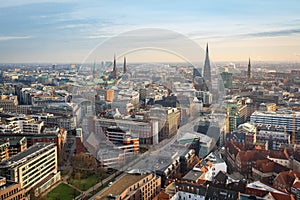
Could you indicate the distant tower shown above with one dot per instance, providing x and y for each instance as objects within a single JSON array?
[
  {"x": 115, "y": 68},
  {"x": 124, "y": 67},
  {"x": 207, "y": 70},
  {"x": 94, "y": 69},
  {"x": 249, "y": 73}
]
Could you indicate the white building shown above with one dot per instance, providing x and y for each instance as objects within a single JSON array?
[
  {"x": 287, "y": 119},
  {"x": 187, "y": 196},
  {"x": 211, "y": 165}
]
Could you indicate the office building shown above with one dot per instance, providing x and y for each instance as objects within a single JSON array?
[
  {"x": 227, "y": 79},
  {"x": 33, "y": 165},
  {"x": 288, "y": 119},
  {"x": 236, "y": 114}
]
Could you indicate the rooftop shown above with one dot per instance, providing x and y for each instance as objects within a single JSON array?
[
  {"x": 26, "y": 155},
  {"x": 193, "y": 175},
  {"x": 278, "y": 114},
  {"x": 260, "y": 186},
  {"x": 120, "y": 185}
]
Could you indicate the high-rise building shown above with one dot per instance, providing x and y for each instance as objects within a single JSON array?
[
  {"x": 207, "y": 70},
  {"x": 227, "y": 79},
  {"x": 94, "y": 69},
  {"x": 249, "y": 72},
  {"x": 124, "y": 67},
  {"x": 236, "y": 115}
]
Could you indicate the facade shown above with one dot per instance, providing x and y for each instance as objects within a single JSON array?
[
  {"x": 4, "y": 153},
  {"x": 245, "y": 160},
  {"x": 11, "y": 190},
  {"x": 9, "y": 126},
  {"x": 17, "y": 145},
  {"x": 32, "y": 127},
  {"x": 270, "y": 107},
  {"x": 169, "y": 126},
  {"x": 236, "y": 114},
  {"x": 275, "y": 135},
  {"x": 31, "y": 139},
  {"x": 9, "y": 103},
  {"x": 277, "y": 119},
  {"x": 144, "y": 130},
  {"x": 120, "y": 148},
  {"x": 31, "y": 166}
]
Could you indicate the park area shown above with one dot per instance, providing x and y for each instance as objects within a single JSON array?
[{"x": 62, "y": 192}]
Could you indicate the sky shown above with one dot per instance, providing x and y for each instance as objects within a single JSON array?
[{"x": 68, "y": 31}]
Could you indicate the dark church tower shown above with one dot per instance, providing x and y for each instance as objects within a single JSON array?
[
  {"x": 124, "y": 67},
  {"x": 207, "y": 70},
  {"x": 115, "y": 68},
  {"x": 249, "y": 73}
]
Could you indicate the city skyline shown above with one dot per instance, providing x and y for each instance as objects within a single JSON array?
[{"x": 66, "y": 31}]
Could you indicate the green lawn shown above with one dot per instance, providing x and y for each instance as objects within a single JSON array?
[
  {"x": 62, "y": 192},
  {"x": 86, "y": 183}
]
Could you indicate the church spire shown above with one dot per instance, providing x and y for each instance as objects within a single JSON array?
[
  {"x": 115, "y": 68},
  {"x": 207, "y": 70},
  {"x": 249, "y": 73},
  {"x": 124, "y": 67}
]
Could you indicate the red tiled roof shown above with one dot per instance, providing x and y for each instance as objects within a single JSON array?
[
  {"x": 278, "y": 196},
  {"x": 279, "y": 154},
  {"x": 250, "y": 156},
  {"x": 296, "y": 184},
  {"x": 266, "y": 166},
  {"x": 287, "y": 178}
]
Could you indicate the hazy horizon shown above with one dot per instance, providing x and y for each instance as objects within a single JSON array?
[{"x": 67, "y": 31}]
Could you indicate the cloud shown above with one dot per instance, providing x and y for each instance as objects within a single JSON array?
[
  {"x": 13, "y": 3},
  {"x": 5, "y": 38},
  {"x": 275, "y": 33}
]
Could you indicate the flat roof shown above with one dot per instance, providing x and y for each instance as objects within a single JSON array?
[
  {"x": 193, "y": 175},
  {"x": 120, "y": 185}
]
